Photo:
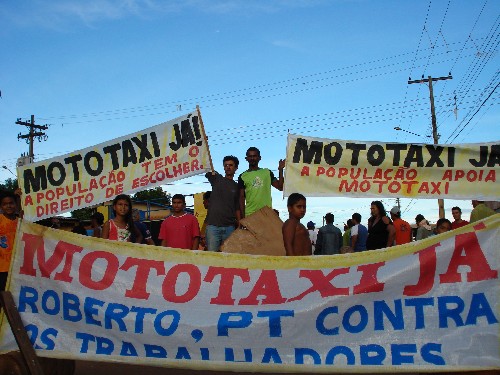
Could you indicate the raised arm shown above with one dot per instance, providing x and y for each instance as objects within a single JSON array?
[{"x": 278, "y": 184}]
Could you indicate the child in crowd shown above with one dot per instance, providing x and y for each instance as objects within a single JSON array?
[
  {"x": 96, "y": 222},
  {"x": 180, "y": 230},
  {"x": 8, "y": 226},
  {"x": 442, "y": 225},
  {"x": 295, "y": 235},
  {"x": 122, "y": 227}
]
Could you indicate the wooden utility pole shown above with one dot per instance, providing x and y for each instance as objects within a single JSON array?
[
  {"x": 435, "y": 134},
  {"x": 32, "y": 134}
]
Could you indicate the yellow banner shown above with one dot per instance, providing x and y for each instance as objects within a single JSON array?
[
  {"x": 326, "y": 167},
  {"x": 155, "y": 156}
]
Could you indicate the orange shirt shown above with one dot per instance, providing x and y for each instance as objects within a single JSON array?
[
  {"x": 403, "y": 231},
  {"x": 7, "y": 237}
]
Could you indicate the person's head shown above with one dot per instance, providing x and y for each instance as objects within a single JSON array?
[
  {"x": 296, "y": 205},
  {"x": 419, "y": 218},
  {"x": 178, "y": 204},
  {"x": 253, "y": 157},
  {"x": 136, "y": 214},
  {"x": 443, "y": 225},
  {"x": 356, "y": 218},
  {"x": 122, "y": 206},
  {"x": 349, "y": 224},
  {"x": 377, "y": 209},
  {"x": 206, "y": 199},
  {"x": 97, "y": 219},
  {"x": 329, "y": 218},
  {"x": 8, "y": 203},
  {"x": 311, "y": 225},
  {"x": 457, "y": 213},
  {"x": 476, "y": 202},
  {"x": 55, "y": 223},
  {"x": 230, "y": 164},
  {"x": 395, "y": 213}
]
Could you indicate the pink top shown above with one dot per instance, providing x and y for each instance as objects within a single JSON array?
[{"x": 118, "y": 234}]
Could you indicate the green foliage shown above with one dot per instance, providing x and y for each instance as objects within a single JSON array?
[
  {"x": 83, "y": 213},
  {"x": 156, "y": 195},
  {"x": 10, "y": 184}
]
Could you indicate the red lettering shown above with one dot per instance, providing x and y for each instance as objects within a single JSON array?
[
  {"x": 227, "y": 275},
  {"x": 368, "y": 282},
  {"x": 108, "y": 276},
  {"x": 322, "y": 283},
  {"x": 427, "y": 260},
  {"x": 168, "y": 287},
  {"x": 473, "y": 257},
  {"x": 267, "y": 285},
  {"x": 144, "y": 267},
  {"x": 34, "y": 244}
]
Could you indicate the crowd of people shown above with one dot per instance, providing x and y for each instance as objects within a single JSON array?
[{"x": 229, "y": 202}]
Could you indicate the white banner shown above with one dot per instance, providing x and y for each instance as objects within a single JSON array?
[
  {"x": 426, "y": 306},
  {"x": 155, "y": 156}
]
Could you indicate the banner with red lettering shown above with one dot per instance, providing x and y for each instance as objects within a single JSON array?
[
  {"x": 431, "y": 305},
  {"x": 155, "y": 156},
  {"x": 329, "y": 168}
]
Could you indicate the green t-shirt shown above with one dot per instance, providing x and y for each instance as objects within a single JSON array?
[{"x": 257, "y": 185}]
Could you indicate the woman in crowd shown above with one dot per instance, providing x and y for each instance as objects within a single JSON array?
[
  {"x": 381, "y": 232},
  {"x": 122, "y": 227}
]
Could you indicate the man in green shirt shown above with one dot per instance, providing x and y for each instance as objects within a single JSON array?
[
  {"x": 255, "y": 184},
  {"x": 480, "y": 211}
]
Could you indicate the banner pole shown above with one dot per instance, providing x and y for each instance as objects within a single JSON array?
[{"x": 202, "y": 128}]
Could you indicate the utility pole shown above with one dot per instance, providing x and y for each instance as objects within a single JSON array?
[
  {"x": 435, "y": 134},
  {"x": 32, "y": 134}
]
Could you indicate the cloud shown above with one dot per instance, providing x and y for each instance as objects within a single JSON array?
[{"x": 59, "y": 13}]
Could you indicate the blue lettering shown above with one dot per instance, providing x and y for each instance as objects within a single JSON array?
[
  {"x": 71, "y": 303},
  {"x": 376, "y": 359},
  {"x": 28, "y": 296},
  {"x": 225, "y": 322},
  {"x": 86, "y": 338},
  {"x": 275, "y": 320},
  {"x": 116, "y": 312},
  {"x": 229, "y": 354},
  {"x": 51, "y": 294},
  {"x": 271, "y": 354},
  {"x": 47, "y": 340},
  {"x": 479, "y": 306},
  {"x": 128, "y": 350},
  {"x": 429, "y": 357},
  {"x": 104, "y": 346},
  {"x": 363, "y": 319},
  {"x": 139, "y": 320},
  {"x": 182, "y": 353},
  {"x": 90, "y": 310},
  {"x": 155, "y": 351},
  {"x": 337, "y": 350},
  {"x": 300, "y": 353},
  {"x": 176, "y": 317},
  {"x": 398, "y": 353},
  {"x": 452, "y": 313},
  {"x": 320, "y": 321},
  {"x": 419, "y": 304},
  {"x": 381, "y": 309}
]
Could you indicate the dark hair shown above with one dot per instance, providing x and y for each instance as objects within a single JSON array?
[
  {"x": 206, "y": 195},
  {"x": 253, "y": 149},
  {"x": 456, "y": 208},
  {"x": 356, "y": 216},
  {"x": 128, "y": 217},
  {"x": 179, "y": 196},
  {"x": 294, "y": 198},
  {"x": 350, "y": 223},
  {"x": 419, "y": 218},
  {"x": 99, "y": 217},
  {"x": 441, "y": 221},
  {"x": 233, "y": 158},
  {"x": 8, "y": 194},
  {"x": 381, "y": 208},
  {"x": 329, "y": 217}
]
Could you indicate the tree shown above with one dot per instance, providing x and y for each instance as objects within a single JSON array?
[
  {"x": 83, "y": 213},
  {"x": 10, "y": 184},
  {"x": 156, "y": 195}
]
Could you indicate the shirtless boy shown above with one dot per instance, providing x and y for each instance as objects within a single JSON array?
[{"x": 295, "y": 235}]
